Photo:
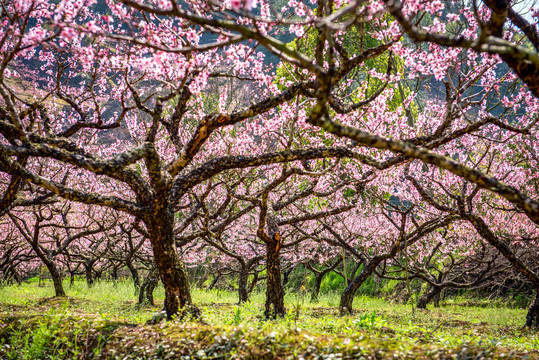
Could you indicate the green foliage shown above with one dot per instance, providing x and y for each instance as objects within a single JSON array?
[
  {"x": 34, "y": 279},
  {"x": 331, "y": 283},
  {"x": 369, "y": 321},
  {"x": 236, "y": 319},
  {"x": 55, "y": 335}
]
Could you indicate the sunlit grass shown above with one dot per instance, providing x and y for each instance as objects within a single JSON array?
[
  {"x": 454, "y": 324},
  {"x": 107, "y": 299}
]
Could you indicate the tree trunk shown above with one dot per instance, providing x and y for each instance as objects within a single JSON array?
[
  {"x": 200, "y": 280},
  {"x": 53, "y": 270},
  {"x": 57, "y": 281},
  {"x": 286, "y": 274},
  {"x": 114, "y": 273},
  {"x": 436, "y": 300},
  {"x": 56, "y": 277},
  {"x": 429, "y": 294},
  {"x": 242, "y": 285},
  {"x": 319, "y": 276},
  {"x": 533, "y": 311},
  {"x": 98, "y": 274},
  {"x": 16, "y": 276},
  {"x": 171, "y": 269},
  {"x": 274, "y": 290},
  {"x": 148, "y": 286},
  {"x": 72, "y": 274},
  {"x": 134, "y": 274},
  {"x": 516, "y": 262},
  {"x": 347, "y": 297},
  {"x": 215, "y": 280},
  {"x": 316, "y": 287},
  {"x": 253, "y": 283},
  {"x": 40, "y": 282},
  {"x": 88, "y": 271}
]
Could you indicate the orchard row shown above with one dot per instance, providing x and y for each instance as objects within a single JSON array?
[{"x": 253, "y": 136}]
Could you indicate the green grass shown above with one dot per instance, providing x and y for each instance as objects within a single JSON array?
[
  {"x": 101, "y": 318},
  {"x": 108, "y": 299}
]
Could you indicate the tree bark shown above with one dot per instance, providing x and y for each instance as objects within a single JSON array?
[
  {"x": 347, "y": 297},
  {"x": 88, "y": 272},
  {"x": 215, "y": 280},
  {"x": 274, "y": 290},
  {"x": 517, "y": 263},
  {"x": 98, "y": 274},
  {"x": 319, "y": 276},
  {"x": 172, "y": 271},
  {"x": 16, "y": 276},
  {"x": 57, "y": 281},
  {"x": 53, "y": 270},
  {"x": 114, "y": 273},
  {"x": 253, "y": 282},
  {"x": 148, "y": 286},
  {"x": 533, "y": 311},
  {"x": 286, "y": 274},
  {"x": 429, "y": 294},
  {"x": 242, "y": 285},
  {"x": 316, "y": 287},
  {"x": 437, "y": 298},
  {"x": 200, "y": 280},
  {"x": 134, "y": 274}
]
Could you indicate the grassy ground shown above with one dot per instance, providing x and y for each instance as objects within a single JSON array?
[{"x": 105, "y": 322}]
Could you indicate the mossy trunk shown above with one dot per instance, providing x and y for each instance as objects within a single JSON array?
[
  {"x": 274, "y": 290},
  {"x": 319, "y": 276},
  {"x": 172, "y": 270},
  {"x": 427, "y": 297},
  {"x": 15, "y": 276}
]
